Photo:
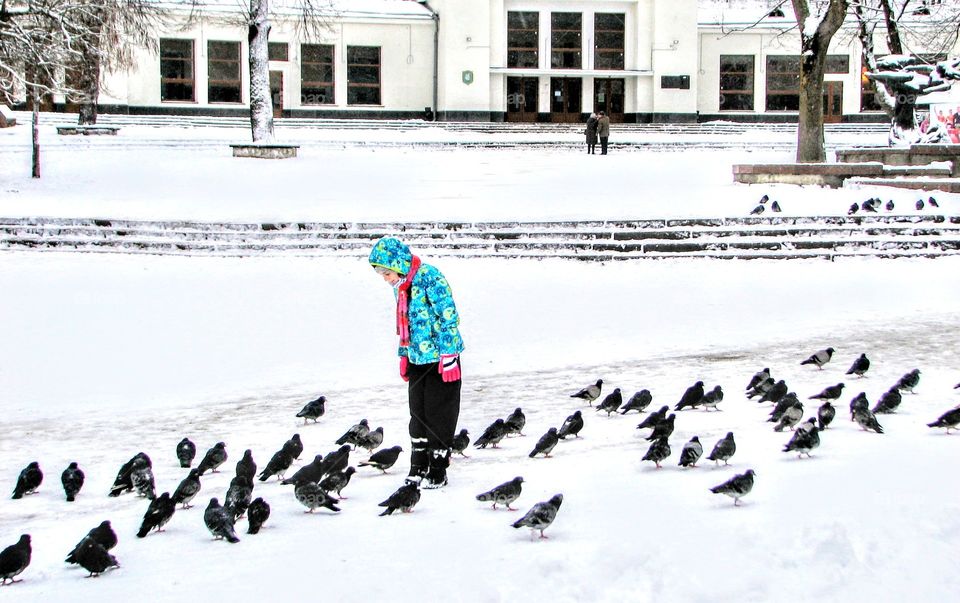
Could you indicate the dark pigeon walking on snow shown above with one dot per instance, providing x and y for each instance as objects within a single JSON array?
[
  {"x": 589, "y": 393},
  {"x": 103, "y": 535},
  {"x": 831, "y": 392},
  {"x": 188, "y": 488},
  {"x": 889, "y": 401},
  {"x": 712, "y": 398},
  {"x": 515, "y": 422},
  {"x": 246, "y": 466},
  {"x": 804, "y": 440},
  {"x": 909, "y": 381},
  {"x": 791, "y": 416},
  {"x": 492, "y": 435},
  {"x": 278, "y": 465},
  {"x": 257, "y": 514},
  {"x": 948, "y": 420},
  {"x": 214, "y": 457},
  {"x": 781, "y": 407},
  {"x": 758, "y": 378},
  {"x": 761, "y": 388},
  {"x": 691, "y": 452},
  {"x": 337, "y": 481},
  {"x": 737, "y": 486},
  {"x": 158, "y": 513},
  {"x": 461, "y": 441},
  {"x": 504, "y": 494},
  {"x": 658, "y": 451},
  {"x": 546, "y": 443},
  {"x": 313, "y": 409},
  {"x": 356, "y": 433},
  {"x": 293, "y": 447},
  {"x": 691, "y": 398},
  {"x": 664, "y": 428},
  {"x": 405, "y": 498},
  {"x": 612, "y": 402},
  {"x": 866, "y": 419},
  {"x": 723, "y": 450},
  {"x": 775, "y": 393},
  {"x": 335, "y": 461},
  {"x": 860, "y": 366},
  {"x": 312, "y": 496},
  {"x": 372, "y": 440},
  {"x": 383, "y": 459},
  {"x": 141, "y": 476},
  {"x": 95, "y": 559},
  {"x": 14, "y": 559},
  {"x": 571, "y": 426},
  {"x": 238, "y": 496},
  {"x": 825, "y": 414},
  {"x": 312, "y": 471},
  {"x": 820, "y": 358},
  {"x": 541, "y": 515},
  {"x": 654, "y": 418},
  {"x": 219, "y": 522},
  {"x": 639, "y": 402},
  {"x": 28, "y": 481},
  {"x": 72, "y": 480},
  {"x": 186, "y": 452}
]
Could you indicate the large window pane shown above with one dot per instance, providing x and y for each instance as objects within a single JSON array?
[
  {"x": 363, "y": 75},
  {"x": 736, "y": 82},
  {"x": 608, "y": 41},
  {"x": 523, "y": 36},
  {"x": 176, "y": 70},
  {"x": 565, "y": 40},
  {"x": 316, "y": 74},
  {"x": 223, "y": 72}
]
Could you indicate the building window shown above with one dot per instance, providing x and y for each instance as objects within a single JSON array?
[
  {"x": 608, "y": 31},
  {"x": 868, "y": 94},
  {"x": 277, "y": 51},
  {"x": 176, "y": 70},
  {"x": 223, "y": 72},
  {"x": 783, "y": 79},
  {"x": 363, "y": 75},
  {"x": 736, "y": 82},
  {"x": 523, "y": 35},
  {"x": 565, "y": 40},
  {"x": 316, "y": 74}
]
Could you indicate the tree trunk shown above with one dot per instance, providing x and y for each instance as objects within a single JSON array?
[
  {"x": 35, "y": 100},
  {"x": 261, "y": 105},
  {"x": 893, "y": 28},
  {"x": 89, "y": 84}
]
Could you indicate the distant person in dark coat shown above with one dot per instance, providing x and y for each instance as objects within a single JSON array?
[
  {"x": 592, "y": 134},
  {"x": 603, "y": 131}
]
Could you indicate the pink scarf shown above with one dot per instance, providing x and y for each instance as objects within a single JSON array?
[{"x": 403, "y": 303}]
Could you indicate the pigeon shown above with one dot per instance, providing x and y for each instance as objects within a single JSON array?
[
  {"x": 14, "y": 559},
  {"x": 775, "y": 393},
  {"x": 313, "y": 410},
  {"x": 790, "y": 417},
  {"x": 957, "y": 386},
  {"x": 278, "y": 465},
  {"x": 859, "y": 366},
  {"x": 187, "y": 489},
  {"x": 890, "y": 205},
  {"x": 95, "y": 559},
  {"x": 775, "y": 207},
  {"x": 612, "y": 402},
  {"x": 762, "y": 388},
  {"x": 888, "y": 402},
  {"x": 639, "y": 401},
  {"x": 504, "y": 494},
  {"x": 335, "y": 482},
  {"x": 186, "y": 451},
  {"x": 158, "y": 514},
  {"x": 461, "y": 441},
  {"x": 293, "y": 447},
  {"x": 492, "y": 435},
  {"x": 758, "y": 377},
  {"x": 30, "y": 479},
  {"x": 691, "y": 452},
  {"x": 335, "y": 461},
  {"x": 866, "y": 419},
  {"x": 909, "y": 381},
  {"x": 853, "y": 209},
  {"x": 541, "y": 515},
  {"x": 663, "y": 429},
  {"x": 372, "y": 440},
  {"x": 764, "y": 199},
  {"x": 658, "y": 451},
  {"x": 571, "y": 426},
  {"x": 238, "y": 496},
  {"x": 515, "y": 422},
  {"x": 383, "y": 459},
  {"x": 214, "y": 457},
  {"x": 312, "y": 471},
  {"x": 807, "y": 425},
  {"x": 246, "y": 467},
  {"x": 919, "y": 204},
  {"x": 804, "y": 440},
  {"x": 589, "y": 393},
  {"x": 103, "y": 535},
  {"x": 831, "y": 392},
  {"x": 124, "y": 482},
  {"x": 723, "y": 450},
  {"x": 825, "y": 414},
  {"x": 868, "y": 205},
  {"x": 859, "y": 401},
  {"x": 219, "y": 522},
  {"x": 819, "y": 358},
  {"x": 142, "y": 478},
  {"x": 712, "y": 398},
  {"x": 72, "y": 480},
  {"x": 737, "y": 486},
  {"x": 781, "y": 407},
  {"x": 405, "y": 498},
  {"x": 355, "y": 434},
  {"x": 546, "y": 443},
  {"x": 257, "y": 513},
  {"x": 691, "y": 397},
  {"x": 948, "y": 420},
  {"x": 312, "y": 496},
  {"x": 758, "y": 210},
  {"x": 933, "y": 202},
  {"x": 654, "y": 418}
]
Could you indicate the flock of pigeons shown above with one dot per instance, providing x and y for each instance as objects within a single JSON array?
[
  {"x": 319, "y": 483},
  {"x": 871, "y": 205}
]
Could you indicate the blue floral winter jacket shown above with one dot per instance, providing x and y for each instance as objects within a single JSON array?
[{"x": 434, "y": 322}]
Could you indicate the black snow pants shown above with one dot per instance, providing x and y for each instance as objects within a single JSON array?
[{"x": 434, "y": 411}]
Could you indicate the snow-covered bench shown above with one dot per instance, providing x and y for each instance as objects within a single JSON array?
[
  {"x": 265, "y": 150},
  {"x": 87, "y": 130}
]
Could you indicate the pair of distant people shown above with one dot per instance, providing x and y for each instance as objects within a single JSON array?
[{"x": 598, "y": 126}]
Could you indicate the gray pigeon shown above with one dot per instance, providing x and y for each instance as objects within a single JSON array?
[
  {"x": 312, "y": 471},
  {"x": 785, "y": 402},
  {"x": 612, "y": 402},
  {"x": 541, "y": 515},
  {"x": 909, "y": 381},
  {"x": 854, "y": 208},
  {"x": 372, "y": 440},
  {"x": 546, "y": 444},
  {"x": 859, "y": 401},
  {"x": 124, "y": 481},
  {"x": 186, "y": 451},
  {"x": 461, "y": 441},
  {"x": 758, "y": 378},
  {"x": 820, "y": 358},
  {"x": 889, "y": 402},
  {"x": 29, "y": 480},
  {"x": 756, "y": 211},
  {"x": 775, "y": 207},
  {"x": 238, "y": 496},
  {"x": 933, "y": 202},
  {"x": 825, "y": 414},
  {"x": 335, "y": 482},
  {"x": 504, "y": 494},
  {"x": 515, "y": 422},
  {"x": 72, "y": 480},
  {"x": 790, "y": 417},
  {"x": 919, "y": 204},
  {"x": 737, "y": 486},
  {"x": 860, "y": 366},
  {"x": 590, "y": 393},
  {"x": 691, "y": 398},
  {"x": 188, "y": 488},
  {"x": 654, "y": 418},
  {"x": 658, "y": 451},
  {"x": 691, "y": 452},
  {"x": 214, "y": 457},
  {"x": 712, "y": 398},
  {"x": 246, "y": 467},
  {"x": 571, "y": 425},
  {"x": 775, "y": 393},
  {"x": 405, "y": 498},
  {"x": 313, "y": 410},
  {"x": 103, "y": 535},
  {"x": 257, "y": 513},
  {"x": 278, "y": 465},
  {"x": 335, "y": 461},
  {"x": 219, "y": 522},
  {"x": 293, "y": 447},
  {"x": 383, "y": 459},
  {"x": 142, "y": 478},
  {"x": 866, "y": 420},
  {"x": 762, "y": 388},
  {"x": 890, "y": 205},
  {"x": 492, "y": 434},
  {"x": 831, "y": 392},
  {"x": 312, "y": 496},
  {"x": 158, "y": 514},
  {"x": 95, "y": 559},
  {"x": 804, "y": 440},
  {"x": 14, "y": 559},
  {"x": 664, "y": 428},
  {"x": 723, "y": 450},
  {"x": 639, "y": 402},
  {"x": 355, "y": 434},
  {"x": 948, "y": 420}
]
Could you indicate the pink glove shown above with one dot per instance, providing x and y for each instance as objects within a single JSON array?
[
  {"x": 449, "y": 367},
  {"x": 403, "y": 368}
]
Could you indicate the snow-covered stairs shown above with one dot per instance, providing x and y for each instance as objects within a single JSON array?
[{"x": 748, "y": 237}]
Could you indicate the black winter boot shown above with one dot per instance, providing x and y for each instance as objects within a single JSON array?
[
  {"x": 419, "y": 460},
  {"x": 437, "y": 474}
]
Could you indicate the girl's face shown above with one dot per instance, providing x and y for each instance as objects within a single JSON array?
[{"x": 391, "y": 277}]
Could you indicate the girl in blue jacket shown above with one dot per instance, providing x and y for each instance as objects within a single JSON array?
[{"x": 430, "y": 346}]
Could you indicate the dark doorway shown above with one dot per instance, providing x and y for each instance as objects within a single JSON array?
[
  {"x": 565, "y": 99},
  {"x": 832, "y": 102},
  {"x": 608, "y": 97},
  {"x": 276, "y": 92},
  {"x": 522, "y": 97}
]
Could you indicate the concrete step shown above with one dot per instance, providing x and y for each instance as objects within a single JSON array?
[{"x": 948, "y": 185}]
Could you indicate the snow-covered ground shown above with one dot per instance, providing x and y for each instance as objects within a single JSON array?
[{"x": 105, "y": 355}]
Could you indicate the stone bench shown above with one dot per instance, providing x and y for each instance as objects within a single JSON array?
[
  {"x": 918, "y": 154},
  {"x": 265, "y": 150},
  {"x": 87, "y": 130},
  {"x": 820, "y": 174}
]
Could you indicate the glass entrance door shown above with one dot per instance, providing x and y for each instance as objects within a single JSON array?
[
  {"x": 565, "y": 99},
  {"x": 276, "y": 92},
  {"x": 522, "y": 98},
  {"x": 832, "y": 102},
  {"x": 608, "y": 97}
]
